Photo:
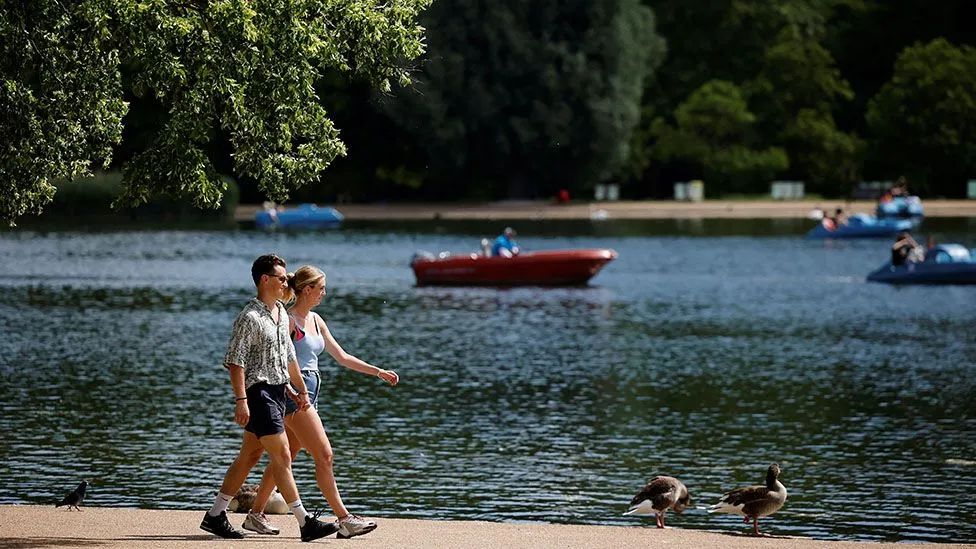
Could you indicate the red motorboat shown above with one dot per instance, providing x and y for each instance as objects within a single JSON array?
[{"x": 544, "y": 268}]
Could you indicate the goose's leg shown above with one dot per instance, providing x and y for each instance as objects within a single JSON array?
[
  {"x": 745, "y": 519},
  {"x": 660, "y": 520},
  {"x": 663, "y": 511},
  {"x": 755, "y": 526}
]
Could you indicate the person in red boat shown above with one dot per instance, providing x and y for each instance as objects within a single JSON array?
[{"x": 505, "y": 245}]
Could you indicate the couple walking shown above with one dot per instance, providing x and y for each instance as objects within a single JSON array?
[{"x": 271, "y": 346}]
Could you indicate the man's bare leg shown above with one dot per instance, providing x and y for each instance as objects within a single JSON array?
[
  {"x": 280, "y": 465},
  {"x": 267, "y": 479},
  {"x": 215, "y": 520},
  {"x": 247, "y": 458}
]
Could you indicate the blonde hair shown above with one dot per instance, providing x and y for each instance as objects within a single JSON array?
[{"x": 298, "y": 280}]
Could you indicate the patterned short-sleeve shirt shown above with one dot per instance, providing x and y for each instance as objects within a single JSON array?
[{"x": 260, "y": 345}]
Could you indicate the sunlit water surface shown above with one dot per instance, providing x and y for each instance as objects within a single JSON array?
[{"x": 705, "y": 357}]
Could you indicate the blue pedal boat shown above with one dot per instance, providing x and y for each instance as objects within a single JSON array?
[
  {"x": 304, "y": 216},
  {"x": 862, "y": 226},
  {"x": 901, "y": 207},
  {"x": 943, "y": 264}
]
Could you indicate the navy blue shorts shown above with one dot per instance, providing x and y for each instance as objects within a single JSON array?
[
  {"x": 267, "y": 406},
  {"x": 313, "y": 382}
]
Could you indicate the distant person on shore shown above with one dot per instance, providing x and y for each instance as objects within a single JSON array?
[
  {"x": 904, "y": 250},
  {"x": 303, "y": 427},
  {"x": 261, "y": 360},
  {"x": 505, "y": 245}
]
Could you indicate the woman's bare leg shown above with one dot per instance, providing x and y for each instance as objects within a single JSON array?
[{"x": 307, "y": 426}]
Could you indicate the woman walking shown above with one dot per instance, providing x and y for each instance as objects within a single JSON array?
[
  {"x": 261, "y": 361},
  {"x": 304, "y": 427}
]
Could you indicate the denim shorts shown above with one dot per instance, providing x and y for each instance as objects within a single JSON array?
[
  {"x": 267, "y": 406},
  {"x": 313, "y": 381}
]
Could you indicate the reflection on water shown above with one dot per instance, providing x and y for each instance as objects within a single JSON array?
[{"x": 706, "y": 358}]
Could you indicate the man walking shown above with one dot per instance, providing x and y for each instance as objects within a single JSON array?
[{"x": 261, "y": 360}]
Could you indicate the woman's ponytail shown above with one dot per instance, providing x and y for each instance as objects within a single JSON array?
[{"x": 290, "y": 294}]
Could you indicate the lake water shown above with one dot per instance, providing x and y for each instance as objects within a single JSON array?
[{"x": 707, "y": 350}]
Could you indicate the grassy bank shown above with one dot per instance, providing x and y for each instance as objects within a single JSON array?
[
  {"x": 645, "y": 209},
  {"x": 88, "y": 201}
]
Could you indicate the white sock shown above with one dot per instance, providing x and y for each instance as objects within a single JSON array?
[
  {"x": 299, "y": 511},
  {"x": 220, "y": 504}
]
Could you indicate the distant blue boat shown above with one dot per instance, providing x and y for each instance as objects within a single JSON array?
[
  {"x": 901, "y": 207},
  {"x": 304, "y": 216},
  {"x": 862, "y": 226},
  {"x": 943, "y": 264}
]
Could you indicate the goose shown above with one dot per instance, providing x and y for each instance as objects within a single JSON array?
[
  {"x": 754, "y": 501},
  {"x": 660, "y": 494},
  {"x": 245, "y": 499}
]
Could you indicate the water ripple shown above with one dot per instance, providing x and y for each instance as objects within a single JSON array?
[{"x": 706, "y": 358}]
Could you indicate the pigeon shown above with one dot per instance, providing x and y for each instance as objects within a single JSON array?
[
  {"x": 660, "y": 494},
  {"x": 754, "y": 501},
  {"x": 75, "y": 498}
]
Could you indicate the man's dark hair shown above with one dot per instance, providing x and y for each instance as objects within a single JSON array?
[{"x": 264, "y": 265}]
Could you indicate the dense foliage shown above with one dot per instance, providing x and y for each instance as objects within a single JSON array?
[
  {"x": 227, "y": 77},
  {"x": 926, "y": 115},
  {"x": 61, "y": 104},
  {"x": 512, "y": 98},
  {"x": 808, "y": 70},
  {"x": 523, "y": 98},
  {"x": 715, "y": 137}
]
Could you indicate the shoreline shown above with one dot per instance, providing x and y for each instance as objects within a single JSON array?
[
  {"x": 37, "y": 526},
  {"x": 638, "y": 209}
]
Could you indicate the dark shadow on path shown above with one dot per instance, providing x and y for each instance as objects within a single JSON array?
[{"x": 25, "y": 543}]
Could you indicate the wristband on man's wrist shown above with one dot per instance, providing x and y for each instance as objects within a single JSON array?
[{"x": 238, "y": 399}]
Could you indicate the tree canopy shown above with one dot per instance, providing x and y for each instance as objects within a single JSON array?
[
  {"x": 220, "y": 70},
  {"x": 714, "y": 135},
  {"x": 926, "y": 115},
  {"x": 512, "y": 98},
  {"x": 795, "y": 94},
  {"x": 527, "y": 97},
  {"x": 61, "y": 104},
  {"x": 808, "y": 70}
]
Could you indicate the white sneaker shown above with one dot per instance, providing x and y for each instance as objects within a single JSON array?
[
  {"x": 258, "y": 522},
  {"x": 351, "y": 526}
]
